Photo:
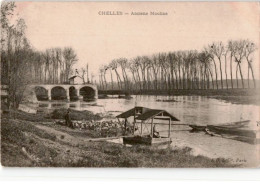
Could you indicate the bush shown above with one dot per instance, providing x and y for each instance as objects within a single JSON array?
[{"x": 75, "y": 115}]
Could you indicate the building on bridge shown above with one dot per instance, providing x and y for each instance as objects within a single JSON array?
[{"x": 76, "y": 80}]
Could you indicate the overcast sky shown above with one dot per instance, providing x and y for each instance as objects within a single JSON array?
[{"x": 98, "y": 39}]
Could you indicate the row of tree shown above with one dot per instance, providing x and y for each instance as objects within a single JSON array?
[
  {"x": 53, "y": 66},
  {"x": 22, "y": 65},
  {"x": 183, "y": 69}
]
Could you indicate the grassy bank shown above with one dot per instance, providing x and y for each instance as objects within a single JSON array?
[
  {"x": 44, "y": 144},
  {"x": 239, "y": 96}
]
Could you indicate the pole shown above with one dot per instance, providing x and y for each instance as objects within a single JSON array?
[
  {"x": 169, "y": 134},
  {"x": 125, "y": 125},
  {"x": 87, "y": 74},
  {"x": 9, "y": 74},
  {"x": 152, "y": 128},
  {"x": 134, "y": 125},
  {"x": 141, "y": 127}
]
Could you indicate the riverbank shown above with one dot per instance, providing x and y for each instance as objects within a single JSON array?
[
  {"x": 235, "y": 96},
  {"x": 42, "y": 143}
]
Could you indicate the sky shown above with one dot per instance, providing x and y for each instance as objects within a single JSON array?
[{"x": 97, "y": 39}]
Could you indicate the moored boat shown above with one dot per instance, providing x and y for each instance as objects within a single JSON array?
[
  {"x": 198, "y": 127},
  {"x": 241, "y": 131}
]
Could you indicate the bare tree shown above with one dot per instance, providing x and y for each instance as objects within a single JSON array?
[
  {"x": 83, "y": 73},
  {"x": 123, "y": 64},
  {"x": 114, "y": 66},
  {"x": 70, "y": 59},
  {"x": 231, "y": 51},
  {"x": 249, "y": 49},
  {"x": 137, "y": 64},
  {"x": 217, "y": 49},
  {"x": 239, "y": 47},
  {"x": 155, "y": 68}
]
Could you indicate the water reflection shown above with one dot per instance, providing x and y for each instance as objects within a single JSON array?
[{"x": 189, "y": 109}]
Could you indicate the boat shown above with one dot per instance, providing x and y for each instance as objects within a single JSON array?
[
  {"x": 240, "y": 131},
  {"x": 146, "y": 117},
  {"x": 198, "y": 127},
  {"x": 146, "y": 140}
]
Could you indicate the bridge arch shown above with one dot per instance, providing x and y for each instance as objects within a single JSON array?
[
  {"x": 73, "y": 93},
  {"x": 41, "y": 93},
  {"x": 58, "y": 93},
  {"x": 88, "y": 92}
]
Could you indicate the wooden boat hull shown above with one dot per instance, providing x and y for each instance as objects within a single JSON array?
[
  {"x": 146, "y": 140},
  {"x": 233, "y": 131},
  {"x": 197, "y": 127},
  {"x": 249, "y": 136}
]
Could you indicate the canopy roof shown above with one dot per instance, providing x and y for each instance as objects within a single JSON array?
[
  {"x": 143, "y": 114},
  {"x": 156, "y": 114},
  {"x": 74, "y": 76},
  {"x": 133, "y": 112}
]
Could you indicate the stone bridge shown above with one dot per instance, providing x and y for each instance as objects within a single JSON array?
[{"x": 88, "y": 89}]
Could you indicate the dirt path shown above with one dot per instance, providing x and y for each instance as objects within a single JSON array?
[{"x": 62, "y": 136}]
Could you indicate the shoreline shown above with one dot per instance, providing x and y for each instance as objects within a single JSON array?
[{"x": 234, "y": 96}]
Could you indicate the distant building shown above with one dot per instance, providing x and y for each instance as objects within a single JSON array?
[{"x": 76, "y": 80}]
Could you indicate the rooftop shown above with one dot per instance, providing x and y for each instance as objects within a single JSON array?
[{"x": 143, "y": 113}]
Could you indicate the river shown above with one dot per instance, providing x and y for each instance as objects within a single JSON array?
[{"x": 188, "y": 109}]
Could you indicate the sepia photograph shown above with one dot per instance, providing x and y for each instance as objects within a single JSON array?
[{"x": 130, "y": 84}]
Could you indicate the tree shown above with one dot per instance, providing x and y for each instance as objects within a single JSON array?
[
  {"x": 123, "y": 64},
  {"x": 217, "y": 49},
  {"x": 132, "y": 68},
  {"x": 70, "y": 59},
  {"x": 83, "y": 72},
  {"x": 114, "y": 66},
  {"x": 111, "y": 76},
  {"x": 155, "y": 68},
  {"x": 231, "y": 51},
  {"x": 239, "y": 47},
  {"x": 15, "y": 56},
  {"x": 209, "y": 50},
  {"x": 249, "y": 49},
  {"x": 137, "y": 63}
]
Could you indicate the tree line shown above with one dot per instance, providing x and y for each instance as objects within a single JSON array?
[
  {"x": 191, "y": 69},
  {"x": 22, "y": 65}
]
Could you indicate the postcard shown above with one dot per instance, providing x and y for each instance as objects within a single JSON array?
[{"x": 130, "y": 84}]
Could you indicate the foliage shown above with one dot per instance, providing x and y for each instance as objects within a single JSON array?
[{"x": 75, "y": 115}]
